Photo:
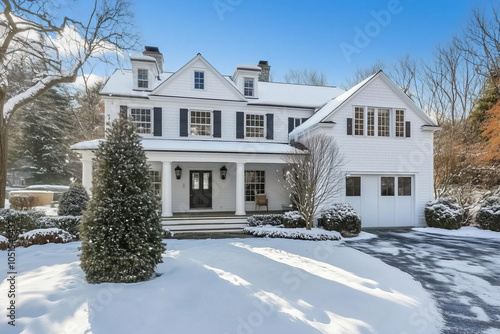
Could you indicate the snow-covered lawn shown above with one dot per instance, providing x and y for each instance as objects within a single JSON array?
[{"x": 245, "y": 285}]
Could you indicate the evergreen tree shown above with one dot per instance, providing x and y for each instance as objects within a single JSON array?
[
  {"x": 121, "y": 231},
  {"x": 489, "y": 97},
  {"x": 74, "y": 201}
]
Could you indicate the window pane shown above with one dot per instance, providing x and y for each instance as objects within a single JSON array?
[
  {"x": 370, "y": 122},
  {"x": 196, "y": 181},
  {"x": 387, "y": 186},
  {"x": 255, "y": 183},
  {"x": 248, "y": 87},
  {"x": 201, "y": 123},
  {"x": 206, "y": 181},
  {"x": 254, "y": 125},
  {"x": 141, "y": 119},
  {"x": 400, "y": 123},
  {"x": 404, "y": 186},
  {"x": 199, "y": 80},
  {"x": 353, "y": 186},
  {"x": 383, "y": 122},
  {"x": 359, "y": 121},
  {"x": 142, "y": 78}
]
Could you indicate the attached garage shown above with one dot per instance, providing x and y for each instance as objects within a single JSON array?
[{"x": 383, "y": 200}]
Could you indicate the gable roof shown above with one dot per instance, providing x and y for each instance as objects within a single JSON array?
[
  {"x": 334, "y": 104},
  {"x": 238, "y": 95}
]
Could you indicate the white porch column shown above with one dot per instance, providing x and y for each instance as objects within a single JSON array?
[
  {"x": 240, "y": 189},
  {"x": 166, "y": 189},
  {"x": 87, "y": 174}
]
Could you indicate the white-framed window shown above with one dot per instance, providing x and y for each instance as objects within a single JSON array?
[
  {"x": 387, "y": 186},
  {"x": 400, "y": 123},
  {"x": 359, "y": 123},
  {"x": 370, "y": 122},
  {"x": 248, "y": 88},
  {"x": 255, "y": 183},
  {"x": 404, "y": 186},
  {"x": 353, "y": 186},
  {"x": 142, "y": 119},
  {"x": 142, "y": 78},
  {"x": 384, "y": 122},
  {"x": 199, "y": 80},
  {"x": 155, "y": 176},
  {"x": 254, "y": 126},
  {"x": 201, "y": 123}
]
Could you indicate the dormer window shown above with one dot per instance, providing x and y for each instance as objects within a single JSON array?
[
  {"x": 199, "y": 80},
  {"x": 142, "y": 78},
  {"x": 249, "y": 87}
]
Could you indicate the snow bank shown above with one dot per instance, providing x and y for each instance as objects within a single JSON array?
[{"x": 466, "y": 232}]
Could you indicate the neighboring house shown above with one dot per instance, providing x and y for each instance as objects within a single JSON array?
[{"x": 216, "y": 141}]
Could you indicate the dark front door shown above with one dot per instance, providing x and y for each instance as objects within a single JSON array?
[{"x": 200, "y": 184}]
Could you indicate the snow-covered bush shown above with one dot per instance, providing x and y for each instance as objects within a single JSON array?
[
  {"x": 488, "y": 216},
  {"x": 13, "y": 223},
  {"x": 444, "y": 213},
  {"x": 70, "y": 224},
  {"x": 4, "y": 243},
  {"x": 260, "y": 220},
  {"x": 74, "y": 201},
  {"x": 341, "y": 217},
  {"x": 121, "y": 231},
  {"x": 296, "y": 233},
  {"x": 167, "y": 233},
  {"x": 293, "y": 219},
  {"x": 44, "y": 236}
]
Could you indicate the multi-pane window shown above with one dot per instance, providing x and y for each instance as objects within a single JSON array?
[
  {"x": 201, "y": 123},
  {"x": 142, "y": 78},
  {"x": 370, "y": 122},
  {"x": 248, "y": 87},
  {"x": 199, "y": 80},
  {"x": 387, "y": 186},
  {"x": 254, "y": 125},
  {"x": 255, "y": 183},
  {"x": 404, "y": 186},
  {"x": 400, "y": 123},
  {"x": 141, "y": 119},
  {"x": 384, "y": 123},
  {"x": 155, "y": 176},
  {"x": 359, "y": 113},
  {"x": 353, "y": 186}
]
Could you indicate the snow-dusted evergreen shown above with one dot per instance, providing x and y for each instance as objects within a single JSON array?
[
  {"x": 295, "y": 233},
  {"x": 74, "y": 201},
  {"x": 293, "y": 219},
  {"x": 44, "y": 236},
  {"x": 341, "y": 217},
  {"x": 121, "y": 230},
  {"x": 70, "y": 224},
  {"x": 444, "y": 213},
  {"x": 269, "y": 219},
  {"x": 488, "y": 216},
  {"x": 22, "y": 221}
]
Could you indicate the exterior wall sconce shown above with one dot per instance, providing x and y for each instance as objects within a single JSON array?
[
  {"x": 223, "y": 172},
  {"x": 178, "y": 172}
]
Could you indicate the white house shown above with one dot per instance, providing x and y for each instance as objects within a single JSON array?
[{"x": 215, "y": 141}]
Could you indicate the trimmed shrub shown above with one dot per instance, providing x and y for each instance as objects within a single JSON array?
[
  {"x": 13, "y": 223},
  {"x": 70, "y": 224},
  {"x": 444, "y": 213},
  {"x": 44, "y": 236},
  {"x": 341, "y": 217},
  {"x": 302, "y": 233},
  {"x": 259, "y": 220},
  {"x": 293, "y": 219},
  {"x": 74, "y": 201},
  {"x": 488, "y": 216}
]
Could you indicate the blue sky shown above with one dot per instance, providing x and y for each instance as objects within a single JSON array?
[{"x": 322, "y": 35}]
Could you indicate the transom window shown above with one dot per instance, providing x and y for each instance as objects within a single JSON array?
[
  {"x": 201, "y": 123},
  {"x": 359, "y": 113},
  {"x": 248, "y": 87},
  {"x": 255, "y": 183},
  {"x": 400, "y": 123},
  {"x": 142, "y": 78},
  {"x": 199, "y": 80},
  {"x": 384, "y": 123},
  {"x": 141, "y": 119},
  {"x": 254, "y": 126},
  {"x": 353, "y": 186}
]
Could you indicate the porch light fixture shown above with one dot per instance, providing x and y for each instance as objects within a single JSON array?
[
  {"x": 223, "y": 172},
  {"x": 178, "y": 172}
]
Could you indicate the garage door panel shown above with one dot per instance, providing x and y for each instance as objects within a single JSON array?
[{"x": 369, "y": 201}]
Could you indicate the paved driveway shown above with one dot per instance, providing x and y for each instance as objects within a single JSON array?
[{"x": 463, "y": 274}]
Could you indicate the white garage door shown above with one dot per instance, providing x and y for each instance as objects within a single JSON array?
[{"x": 382, "y": 200}]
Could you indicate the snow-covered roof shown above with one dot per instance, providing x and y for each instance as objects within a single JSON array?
[
  {"x": 175, "y": 145},
  {"x": 142, "y": 58},
  {"x": 121, "y": 83},
  {"x": 249, "y": 67}
]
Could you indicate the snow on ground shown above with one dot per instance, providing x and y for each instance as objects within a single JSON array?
[
  {"x": 466, "y": 231},
  {"x": 249, "y": 285}
]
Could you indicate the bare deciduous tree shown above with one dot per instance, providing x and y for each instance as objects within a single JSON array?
[
  {"x": 306, "y": 77},
  {"x": 314, "y": 174},
  {"x": 55, "y": 49},
  {"x": 362, "y": 73}
]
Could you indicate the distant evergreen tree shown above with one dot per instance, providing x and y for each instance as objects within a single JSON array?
[
  {"x": 74, "y": 201},
  {"x": 121, "y": 231},
  {"x": 489, "y": 97}
]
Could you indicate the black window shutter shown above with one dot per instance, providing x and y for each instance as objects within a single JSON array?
[
  {"x": 217, "y": 124},
  {"x": 270, "y": 126},
  {"x": 184, "y": 123},
  {"x": 349, "y": 126},
  {"x": 291, "y": 124},
  {"x": 123, "y": 111},
  {"x": 408, "y": 129},
  {"x": 240, "y": 125},
  {"x": 157, "y": 122}
]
